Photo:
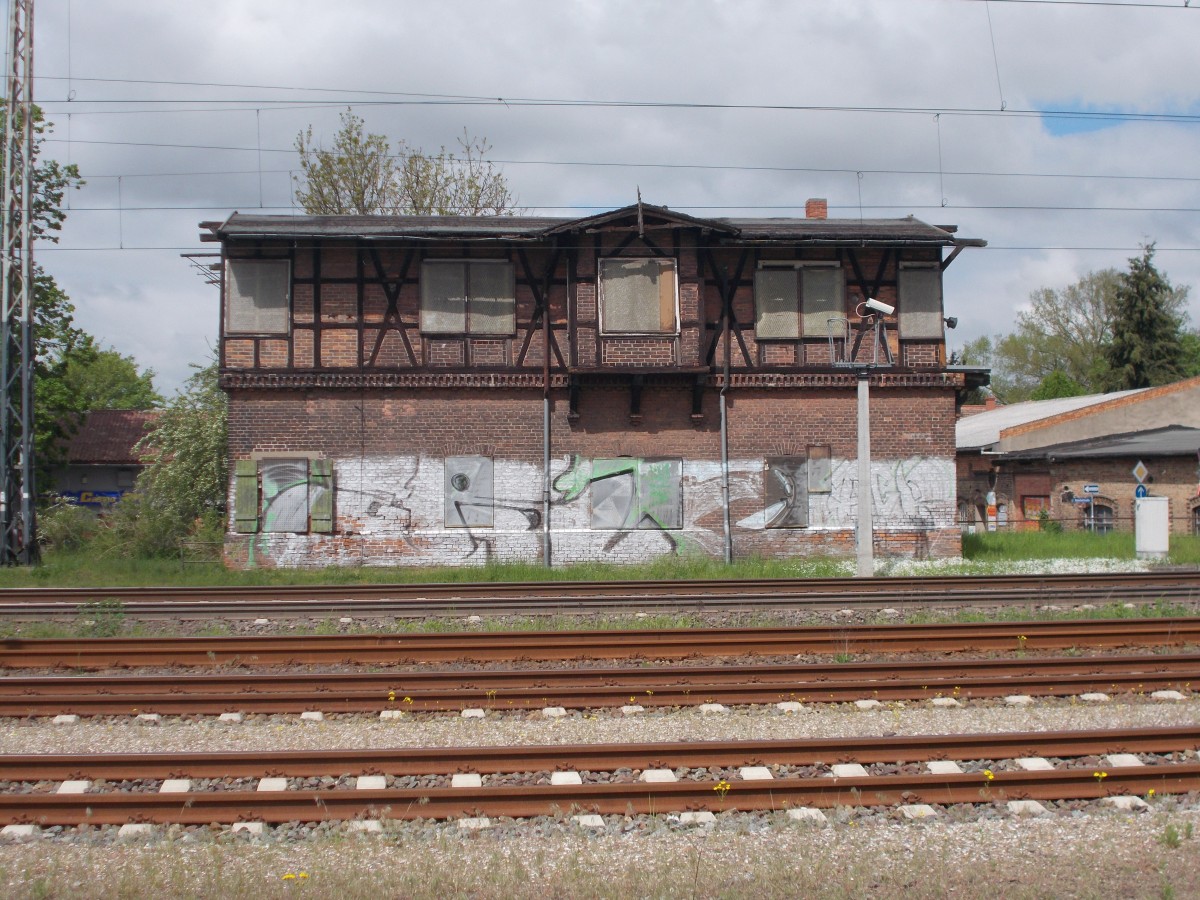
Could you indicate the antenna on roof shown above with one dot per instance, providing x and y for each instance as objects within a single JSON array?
[{"x": 641, "y": 224}]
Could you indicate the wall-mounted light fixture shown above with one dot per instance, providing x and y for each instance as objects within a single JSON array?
[{"x": 951, "y": 321}]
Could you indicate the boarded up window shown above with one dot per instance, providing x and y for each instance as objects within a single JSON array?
[
  {"x": 257, "y": 293},
  {"x": 637, "y": 296},
  {"x": 823, "y": 292},
  {"x": 468, "y": 297},
  {"x": 820, "y": 469},
  {"x": 785, "y": 492},
  {"x": 468, "y": 491},
  {"x": 283, "y": 495},
  {"x": 921, "y": 302},
  {"x": 776, "y": 311},
  {"x": 634, "y": 493}
]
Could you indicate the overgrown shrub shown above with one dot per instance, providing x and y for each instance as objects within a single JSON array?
[{"x": 65, "y": 526}]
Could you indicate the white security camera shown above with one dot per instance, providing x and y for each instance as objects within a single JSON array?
[{"x": 880, "y": 307}]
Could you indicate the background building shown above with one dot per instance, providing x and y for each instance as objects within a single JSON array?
[
  {"x": 101, "y": 463},
  {"x": 443, "y": 390},
  {"x": 1045, "y": 455}
]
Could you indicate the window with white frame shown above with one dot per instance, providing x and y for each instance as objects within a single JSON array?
[
  {"x": 638, "y": 296},
  {"x": 468, "y": 297},
  {"x": 257, "y": 296},
  {"x": 792, "y": 299},
  {"x": 920, "y": 290}
]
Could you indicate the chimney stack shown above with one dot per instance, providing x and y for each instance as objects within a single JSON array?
[{"x": 817, "y": 208}]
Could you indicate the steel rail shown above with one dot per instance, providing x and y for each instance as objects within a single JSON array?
[
  {"x": 392, "y": 648},
  {"x": 590, "y": 687},
  {"x": 566, "y": 596},
  {"x": 403, "y": 761},
  {"x": 202, "y": 808}
]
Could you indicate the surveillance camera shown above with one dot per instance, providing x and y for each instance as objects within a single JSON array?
[{"x": 880, "y": 307}]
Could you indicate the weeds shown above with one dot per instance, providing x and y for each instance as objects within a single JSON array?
[{"x": 102, "y": 618}]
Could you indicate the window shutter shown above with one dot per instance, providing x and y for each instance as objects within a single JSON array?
[
  {"x": 245, "y": 496},
  {"x": 320, "y": 493},
  {"x": 775, "y": 303}
]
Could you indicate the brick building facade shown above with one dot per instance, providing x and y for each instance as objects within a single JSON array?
[{"x": 438, "y": 390}]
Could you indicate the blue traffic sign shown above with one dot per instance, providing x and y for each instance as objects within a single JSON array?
[{"x": 1140, "y": 491}]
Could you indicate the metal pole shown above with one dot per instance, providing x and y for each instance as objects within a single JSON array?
[{"x": 864, "y": 532}]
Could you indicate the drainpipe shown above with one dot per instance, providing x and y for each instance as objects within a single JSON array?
[
  {"x": 725, "y": 423},
  {"x": 546, "y": 420}
]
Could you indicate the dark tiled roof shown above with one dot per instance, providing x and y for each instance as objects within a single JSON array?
[
  {"x": 107, "y": 437},
  {"x": 907, "y": 230}
]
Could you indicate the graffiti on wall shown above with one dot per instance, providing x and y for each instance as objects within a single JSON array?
[
  {"x": 414, "y": 510},
  {"x": 785, "y": 492},
  {"x": 285, "y": 494}
]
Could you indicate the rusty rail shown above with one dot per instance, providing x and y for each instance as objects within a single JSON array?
[
  {"x": 200, "y": 807},
  {"x": 594, "y": 757},
  {"x": 392, "y": 648},
  {"x": 503, "y": 689},
  {"x": 564, "y": 597}
]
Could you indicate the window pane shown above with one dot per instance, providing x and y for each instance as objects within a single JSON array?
[
  {"x": 284, "y": 495},
  {"x": 823, "y": 296},
  {"x": 257, "y": 296},
  {"x": 638, "y": 295},
  {"x": 776, "y": 311},
  {"x": 444, "y": 297},
  {"x": 632, "y": 493},
  {"x": 921, "y": 303},
  {"x": 493, "y": 304}
]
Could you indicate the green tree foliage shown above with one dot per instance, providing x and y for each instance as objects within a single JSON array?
[
  {"x": 1058, "y": 384},
  {"x": 102, "y": 378},
  {"x": 1146, "y": 347},
  {"x": 359, "y": 175},
  {"x": 181, "y": 493},
  {"x": 1064, "y": 331}
]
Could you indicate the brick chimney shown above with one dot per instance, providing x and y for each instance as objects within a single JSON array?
[{"x": 817, "y": 208}]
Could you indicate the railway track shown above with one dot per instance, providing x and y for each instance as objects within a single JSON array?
[
  {"x": 591, "y": 688},
  {"x": 471, "y": 647},
  {"x": 742, "y": 775},
  {"x": 564, "y": 597}
]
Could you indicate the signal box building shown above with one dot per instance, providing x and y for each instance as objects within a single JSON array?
[{"x": 450, "y": 390}]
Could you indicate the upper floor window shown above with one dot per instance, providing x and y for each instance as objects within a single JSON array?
[
  {"x": 637, "y": 296},
  {"x": 791, "y": 300},
  {"x": 468, "y": 297},
  {"x": 921, "y": 301},
  {"x": 257, "y": 294}
]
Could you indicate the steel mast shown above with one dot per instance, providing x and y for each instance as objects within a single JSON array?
[{"x": 18, "y": 532}]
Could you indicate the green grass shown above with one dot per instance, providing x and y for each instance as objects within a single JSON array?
[{"x": 982, "y": 554}]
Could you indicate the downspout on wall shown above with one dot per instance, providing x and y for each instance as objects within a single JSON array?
[
  {"x": 725, "y": 423},
  {"x": 546, "y": 558}
]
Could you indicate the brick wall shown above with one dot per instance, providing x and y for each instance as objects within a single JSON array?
[{"x": 389, "y": 448}]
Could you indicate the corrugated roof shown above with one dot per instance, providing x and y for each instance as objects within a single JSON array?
[
  {"x": 982, "y": 430},
  {"x": 107, "y": 437}
]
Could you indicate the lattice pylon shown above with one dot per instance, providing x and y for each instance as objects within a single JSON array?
[{"x": 18, "y": 532}]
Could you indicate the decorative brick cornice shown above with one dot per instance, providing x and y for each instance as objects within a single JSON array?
[
  {"x": 274, "y": 381},
  {"x": 839, "y": 380},
  {"x": 303, "y": 381}
]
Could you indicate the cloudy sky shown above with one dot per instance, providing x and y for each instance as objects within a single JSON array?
[{"x": 1065, "y": 133}]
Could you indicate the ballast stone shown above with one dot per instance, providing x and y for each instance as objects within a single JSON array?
[
  {"x": 132, "y": 830},
  {"x": 943, "y": 767},
  {"x": 22, "y": 830},
  {"x": 566, "y": 778},
  {"x": 1018, "y": 700},
  {"x": 1094, "y": 697},
  {"x": 1035, "y": 764},
  {"x": 66, "y": 719},
  {"x": 475, "y": 823},
  {"x": 473, "y": 714},
  {"x": 1027, "y": 808},
  {"x": 235, "y": 718},
  {"x": 371, "y": 826},
  {"x": 708, "y": 709},
  {"x": 1128, "y": 803},
  {"x": 945, "y": 701},
  {"x": 1123, "y": 760},
  {"x": 249, "y": 827},
  {"x": 591, "y": 820},
  {"x": 76, "y": 786},
  {"x": 697, "y": 818},
  {"x": 466, "y": 780},
  {"x": 176, "y": 786},
  {"x": 272, "y": 784},
  {"x": 808, "y": 814},
  {"x": 789, "y": 706},
  {"x": 632, "y": 709},
  {"x": 554, "y": 712},
  {"x": 1167, "y": 695},
  {"x": 867, "y": 704},
  {"x": 848, "y": 770},
  {"x": 371, "y": 783},
  {"x": 312, "y": 715},
  {"x": 917, "y": 811}
]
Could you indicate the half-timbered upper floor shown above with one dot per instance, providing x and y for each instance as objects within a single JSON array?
[{"x": 639, "y": 289}]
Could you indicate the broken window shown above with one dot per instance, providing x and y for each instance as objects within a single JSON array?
[
  {"x": 921, "y": 301},
  {"x": 791, "y": 300},
  {"x": 257, "y": 294},
  {"x": 283, "y": 494},
  {"x": 637, "y": 296},
  {"x": 636, "y": 493},
  {"x": 468, "y": 297},
  {"x": 468, "y": 491}
]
